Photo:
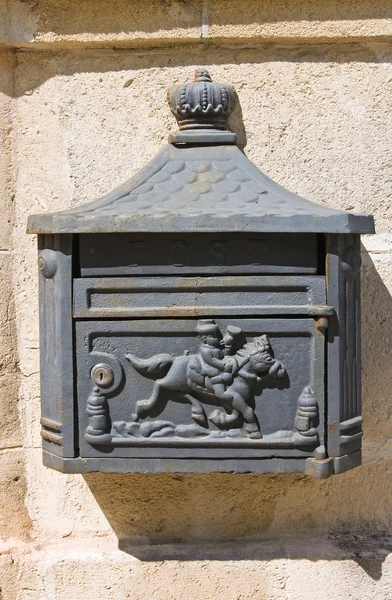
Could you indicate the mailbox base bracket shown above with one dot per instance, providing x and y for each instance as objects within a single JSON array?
[{"x": 320, "y": 469}]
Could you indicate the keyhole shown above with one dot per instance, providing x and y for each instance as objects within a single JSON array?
[{"x": 102, "y": 375}]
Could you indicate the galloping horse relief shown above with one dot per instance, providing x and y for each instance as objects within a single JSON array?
[{"x": 224, "y": 372}]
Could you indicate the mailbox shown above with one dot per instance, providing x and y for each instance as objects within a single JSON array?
[{"x": 200, "y": 318}]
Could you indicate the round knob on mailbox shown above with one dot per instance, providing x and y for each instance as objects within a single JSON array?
[
  {"x": 47, "y": 263},
  {"x": 102, "y": 375}
]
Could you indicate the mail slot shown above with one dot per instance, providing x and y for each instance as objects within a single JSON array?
[{"x": 199, "y": 296}]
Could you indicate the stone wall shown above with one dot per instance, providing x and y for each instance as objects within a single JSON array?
[{"x": 82, "y": 108}]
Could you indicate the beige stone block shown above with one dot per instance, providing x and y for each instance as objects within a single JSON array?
[
  {"x": 335, "y": 579},
  {"x": 163, "y": 508},
  {"x": 8, "y": 351},
  {"x": 343, "y": 502},
  {"x": 48, "y": 23},
  {"x": 14, "y": 518},
  {"x": 376, "y": 244},
  {"x": 61, "y": 506},
  {"x": 9, "y": 571},
  {"x": 4, "y": 22},
  {"x": 29, "y": 405},
  {"x": 10, "y": 430},
  {"x": 100, "y": 23},
  {"x": 302, "y": 20},
  {"x": 377, "y": 344},
  {"x": 6, "y": 168},
  {"x": 338, "y": 566},
  {"x": 85, "y": 569},
  {"x": 160, "y": 509},
  {"x": 17, "y": 22}
]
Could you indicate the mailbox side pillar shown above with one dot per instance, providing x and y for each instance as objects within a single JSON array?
[
  {"x": 56, "y": 344},
  {"x": 344, "y": 423}
]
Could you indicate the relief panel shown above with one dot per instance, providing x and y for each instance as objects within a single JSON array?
[{"x": 200, "y": 387}]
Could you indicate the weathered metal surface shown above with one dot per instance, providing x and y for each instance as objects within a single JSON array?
[
  {"x": 319, "y": 469},
  {"x": 344, "y": 345},
  {"x": 201, "y": 189},
  {"x": 199, "y": 296},
  {"x": 103, "y": 255},
  {"x": 179, "y": 465},
  {"x": 56, "y": 344},
  {"x": 171, "y": 429},
  {"x": 202, "y": 104}
]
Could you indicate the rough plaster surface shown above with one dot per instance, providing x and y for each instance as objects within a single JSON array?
[
  {"x": 74, "y": 124},
  {"x": 14, "y": 519}
]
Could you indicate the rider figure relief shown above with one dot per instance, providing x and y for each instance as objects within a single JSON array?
[
  {"x": 216, "y": 366},
  {"x": 220, "y": 373}
]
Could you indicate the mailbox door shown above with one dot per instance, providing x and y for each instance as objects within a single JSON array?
[{"x": 146, "y": 388}]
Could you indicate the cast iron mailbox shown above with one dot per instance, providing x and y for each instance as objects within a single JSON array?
[{"x": 200, "y": 317}]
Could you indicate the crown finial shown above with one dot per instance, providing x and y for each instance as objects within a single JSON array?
[{"x": 202, "y": 104}]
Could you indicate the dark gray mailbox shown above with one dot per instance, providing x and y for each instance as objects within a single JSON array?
[{"x": 200, "y": 317}]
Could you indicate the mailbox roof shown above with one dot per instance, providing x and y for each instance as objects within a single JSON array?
[{"x": 196, "y": 188}]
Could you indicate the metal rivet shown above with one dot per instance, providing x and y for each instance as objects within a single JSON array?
[
  {"x": 47, "y": 263},
  {"x": 322, "y": 324},
  {"x": 102, "y": 375}
]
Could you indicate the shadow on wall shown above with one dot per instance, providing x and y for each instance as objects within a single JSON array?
[
  {"x": 353, "y": 510},
  {"x": 74, "y": 63}
]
